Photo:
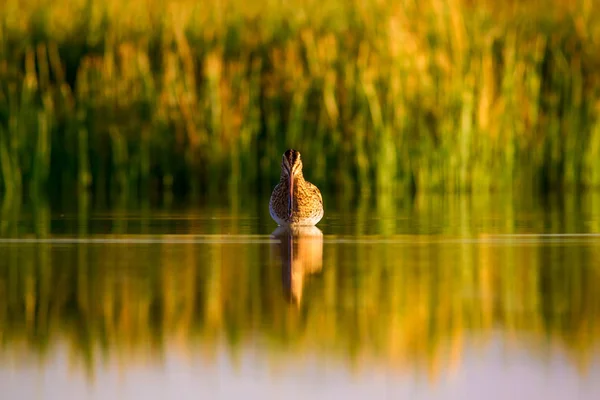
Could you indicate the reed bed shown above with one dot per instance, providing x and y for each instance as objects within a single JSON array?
[{"x": 379, "y": 95}]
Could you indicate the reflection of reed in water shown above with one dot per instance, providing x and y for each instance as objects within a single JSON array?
[
  {"x": 301, "y": 253},
  {"x": 409, "y": 305}
]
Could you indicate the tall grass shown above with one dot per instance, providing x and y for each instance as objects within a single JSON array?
[{"x": 379, "y": 96}]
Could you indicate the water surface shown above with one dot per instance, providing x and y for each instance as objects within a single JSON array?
[{"x": 434, "y": 297}]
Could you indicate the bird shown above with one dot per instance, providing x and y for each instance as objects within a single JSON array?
[{"x": 294, "y": 200}]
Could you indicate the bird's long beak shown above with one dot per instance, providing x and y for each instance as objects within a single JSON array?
[{"x": 291, "y": 195}]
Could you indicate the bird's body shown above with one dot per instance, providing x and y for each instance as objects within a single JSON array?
[{"x": 295, "y": 201}]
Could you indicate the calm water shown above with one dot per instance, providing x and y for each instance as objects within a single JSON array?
[{"x": 436, "y": 297}]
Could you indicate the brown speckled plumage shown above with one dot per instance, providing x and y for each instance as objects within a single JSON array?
[{"x": 307, "y": 203}]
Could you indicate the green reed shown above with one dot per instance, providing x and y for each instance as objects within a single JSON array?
[{"x": 379, "y": 95}]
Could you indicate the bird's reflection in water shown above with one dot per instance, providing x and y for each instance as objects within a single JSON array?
[{"x": 301, "y": 253}]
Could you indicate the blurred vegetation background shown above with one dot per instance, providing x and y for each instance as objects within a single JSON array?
[{"x": 380, "y": 96}]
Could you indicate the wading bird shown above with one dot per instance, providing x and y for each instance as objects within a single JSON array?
[{"x": 295, "y": 201}]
